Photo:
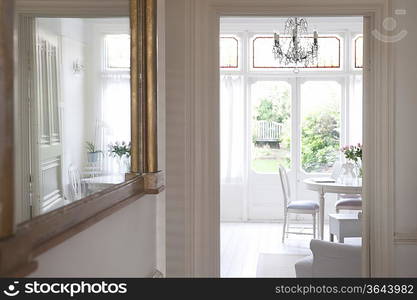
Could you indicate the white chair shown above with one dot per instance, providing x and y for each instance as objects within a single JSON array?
[
  {"x": 296, "y": 207},
  {"x": 77, "y": 189},
  {"x": 348, "y": 202},
  {"x": 330, "y": 260}
]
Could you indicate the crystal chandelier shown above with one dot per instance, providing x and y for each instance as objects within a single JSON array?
[{"x": 296, "y": 47}]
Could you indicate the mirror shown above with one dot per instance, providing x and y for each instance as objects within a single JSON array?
[{"x": 73, "y": 112}]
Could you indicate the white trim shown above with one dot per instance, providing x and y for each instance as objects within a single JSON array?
[
  {"x": 197, "y": 91},
  {"x": 73, "y": 8},
  {"x": 161, "y": 203},
  {"x": 327, "y": 24},
  {"x": 405, "y": 238}
]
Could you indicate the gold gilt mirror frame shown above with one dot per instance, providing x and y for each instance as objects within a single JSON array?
[{"x": 20, "y": 244}]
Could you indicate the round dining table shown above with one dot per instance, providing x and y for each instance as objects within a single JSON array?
[{"x": 323, "y": 187}]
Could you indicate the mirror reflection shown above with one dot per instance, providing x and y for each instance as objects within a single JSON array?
[{"x": 76, "y": 74}]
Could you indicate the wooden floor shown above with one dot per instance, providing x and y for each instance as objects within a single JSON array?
[{"x": 241, "y": 244}]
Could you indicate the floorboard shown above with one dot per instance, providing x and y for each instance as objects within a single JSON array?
[{"x": 241, "y": 244}]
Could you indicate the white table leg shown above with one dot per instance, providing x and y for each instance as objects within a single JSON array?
[{"x": 321, "y": 193}]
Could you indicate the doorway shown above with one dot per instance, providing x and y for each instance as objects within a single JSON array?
[
  {"x": 193, "y": 136},
  {"x": 272, "y": 115}
]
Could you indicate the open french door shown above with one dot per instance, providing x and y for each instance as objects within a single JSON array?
[
  {"x": 304, "y": 109},
  {"x": 270, "y": 99}
]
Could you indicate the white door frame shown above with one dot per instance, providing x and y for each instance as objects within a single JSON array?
[{"x": 193, "y": 169}]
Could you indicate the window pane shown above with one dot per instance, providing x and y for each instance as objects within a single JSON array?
[
  {"x": 329, "y": 52},
  {"x": 229, "y": 52},
  {"x": 262, "y": 53},
  {"x": 117, "y": 51},
  {"x": 328, "y": 57},
  {"x": 359, "y": 52},
  {"x": 320, "y": 125},
  {"x": 271, "y": 121}
]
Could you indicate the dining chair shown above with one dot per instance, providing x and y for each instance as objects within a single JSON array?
[
  {"x": 296, "y": 207},
  {"x": 77, "y": 187},
  {"x": 345, "y": 201},
  {"x": 348, "y": 202}
]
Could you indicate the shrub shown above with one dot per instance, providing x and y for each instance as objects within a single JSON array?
[
  {"x": 320, "y": 132},
  {"x": 320, "y": 140},
  {"x": 275, "y": 109}
]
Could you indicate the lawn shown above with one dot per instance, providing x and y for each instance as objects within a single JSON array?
[
  {"x": 266, "y": 160},
  {"x": 265, "y": 165}
]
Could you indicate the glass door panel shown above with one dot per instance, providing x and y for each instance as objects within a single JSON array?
[
  {"x": 270, "y": 126},
  {"x": 320, "y": 123},
  {"x": 269, "y": 118}
]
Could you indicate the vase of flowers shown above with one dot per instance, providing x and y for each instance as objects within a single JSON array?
[
  {"x": 121, "y": 151},
  {"x": 353, "y": 155}
]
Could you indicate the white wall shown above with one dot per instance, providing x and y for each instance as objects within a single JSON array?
[
  {"x": 73, "y": 98},
  {"x": 70, "y": 33},
  {"x": 121, "y": 245},
  {"x": 405, "y": 75}
]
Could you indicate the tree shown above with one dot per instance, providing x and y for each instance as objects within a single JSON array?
[
  {"x": 320, "y": 140},
  {"x": 274, "y": 108}
]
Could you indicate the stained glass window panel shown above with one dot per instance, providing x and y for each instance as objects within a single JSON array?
[
  {"x": 229, "y": 53},
  {"x": 329, "y": 55}
]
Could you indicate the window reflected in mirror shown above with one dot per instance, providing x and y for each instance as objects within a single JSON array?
[{"x": 75, "y": 74}]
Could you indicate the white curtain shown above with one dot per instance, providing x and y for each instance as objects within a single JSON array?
[
  {"x": 232, "y": 130},
  {"x": 115, "y": 107}
]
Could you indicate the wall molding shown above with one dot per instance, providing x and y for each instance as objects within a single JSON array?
[
  {"x": 193, "y": 59},
  {"x": 405, "y": 238}
]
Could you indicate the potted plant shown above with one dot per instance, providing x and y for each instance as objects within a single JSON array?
[
  {"x": 122, "y": 152},
  {"x": 92, "y": 152}
]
